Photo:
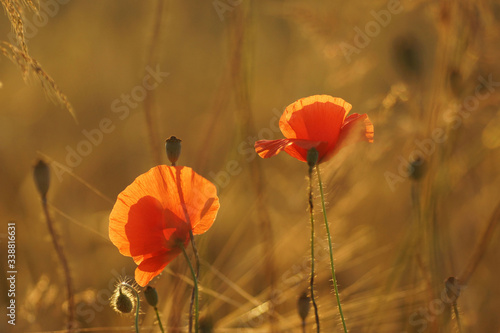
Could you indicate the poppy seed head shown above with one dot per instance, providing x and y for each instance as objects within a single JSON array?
[
  {"x": 41, "y": 175},
  {"x": 303, "y": 305},
  {"x": 173, "y": 149}
]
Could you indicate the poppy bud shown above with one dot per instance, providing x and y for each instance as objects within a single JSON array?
[
  {"x": 151, "y": 296},
  {"x": 452, "y": 288},
  {"x": 173, "y": 148},
  {"x": 122, "y": 301},
  {"x": 41, "y": 175},
  {"x": 312, "y": 157},
  {"x": 416, "y": 168},
  {"x": 303, "y": 305}
]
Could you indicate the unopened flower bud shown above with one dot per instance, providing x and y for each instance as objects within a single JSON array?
[
  {"x": 41, "y": 175},
  {"x": 124, "y": 302},
  {"x": 303, "y": 305},
  {"x": 151, "y": 296},
  {"x": 173, "y": 148},
  {"x": 417, "y": 168},
  {"x": 452, "y": 288},
  {"x": 312, "y": 157}
]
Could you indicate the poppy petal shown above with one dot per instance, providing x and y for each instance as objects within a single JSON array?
[
  {"x": 153, "y": 266},
  {"x": 136, "y": 227},
  {"x": 357, "y": 127},
  {"x": 195, "y": 195},
  {"x": 316, "y": 118},
  {"x": 270, "y": 148}
]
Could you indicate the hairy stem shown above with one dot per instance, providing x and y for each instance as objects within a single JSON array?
[
  {"x": 330, "y": 248},
  {"x": 311, "y": 282}
]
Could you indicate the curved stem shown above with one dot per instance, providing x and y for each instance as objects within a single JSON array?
[
  {"x": 64, "y": 263},
  {"x": 311, "y": 284},
  {"x": 138, "y": 304},
  {"x": 159, "y": 320},
  {"x": 330, "y": 248},
  {"x": 195, "y": 281}
]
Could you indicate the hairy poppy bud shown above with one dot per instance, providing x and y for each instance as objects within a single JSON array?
[
  {"x": 303, "y": 305},
  {"x": 312, "y": 157},
  {"x": 41, "y": 174},
  {"x": 122, "y": 301},
  {"x": 173, "y": 148},
  {"x": 151, "y": 296}
]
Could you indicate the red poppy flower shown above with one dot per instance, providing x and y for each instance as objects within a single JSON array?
[
  {"x": 317, "y": 121},
  {"x": 152, "y": 217}
]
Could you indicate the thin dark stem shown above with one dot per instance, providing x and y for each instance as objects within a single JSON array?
[
  {"x": 197, "y": 258},
  {"x": 159, "y": 320},
  {"x": 64, "y": 263},
  {"x": 311, "y": 212},
  {"x": 330, "y": 248},
  {"x": 195, "y": 281}
]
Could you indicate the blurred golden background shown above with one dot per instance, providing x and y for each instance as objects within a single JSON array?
[{"x": 218, "y": 74}]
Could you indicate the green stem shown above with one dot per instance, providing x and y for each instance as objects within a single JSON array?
[
  {"x": 311, "y": 211},
  {"x": 159, "y": 320},
  {"x": 330, "y": 248},
  {"x": 137, "y": 307},
  {"x": 195, "y": 281},
  {"x": 457, "y": 317}
]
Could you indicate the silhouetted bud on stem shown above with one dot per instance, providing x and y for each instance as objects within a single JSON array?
[
  {"x": 304, "y": 305},
  {"x": 123, "y": 301},
  {"x": 452, "y": 288},
  {"x": 151, "y": 296},
  {"x": 417, "y": 168},
  {"x": 312, "y": 158},
  {"x": 41, "y": 174},
  {"x": 173, "y": 148}
]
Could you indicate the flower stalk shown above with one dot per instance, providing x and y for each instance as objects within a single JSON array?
[{"x": 330, "y": 248}]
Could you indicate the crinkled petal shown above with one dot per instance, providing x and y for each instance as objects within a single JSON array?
[
  {"x": 294, "y": 147},
  {"x": 356, "y": 128}
]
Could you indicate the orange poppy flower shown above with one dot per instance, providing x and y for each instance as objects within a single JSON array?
[
  {"x": 317, "y": 121},
  {"x": 152, "y": 217}
]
